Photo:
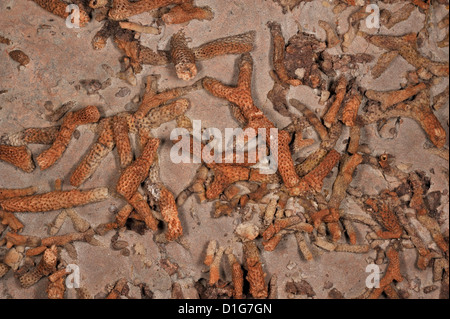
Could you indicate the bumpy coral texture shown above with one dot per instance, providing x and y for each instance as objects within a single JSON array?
[
  {"x": 19, "y": 156},
  {"x": 137, "y": 171},
  {"x": 54, "y": 200},
  {"x": 87, "y": 115}
]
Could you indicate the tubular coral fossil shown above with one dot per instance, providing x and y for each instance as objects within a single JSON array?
[
  {"x": 53, "y": 200},
  {"x": 59, "y": 8},
  {"x": 418, "y": 109},
  {"x": 19, "y": 156},
  {"x": 122, "y": 9},
  {"x": 255, "y": 273},
  {"x": 387, "y": 217},
  {"x": 139, "y": 54},
  {"x": 241, "y": 96},
  {"x": 407, "y": 47},
  {"x": 45, "y": 267},
  {"x": 87, "y": 115},
  {"x": 182, "y": 57},
  {"x": 186, "y": 12},
  {"x": 137, "y": 171}
]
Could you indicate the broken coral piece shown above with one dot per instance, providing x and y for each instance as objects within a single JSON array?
[
  {"x": 255, "y": 273},
  {"x": 97, "y": 152},
  {"x": 89, "y": 114},
  {"x": 59, "y": 8},
  {"x": 407, "y": 47},
  {"x": 279, "y": 55},
  {"x": 19, "y": 156},
  {"x": 135, "y": 173},
  {"x": 186, "y": 12},
  {"x": 54, "y": 200},
  {"x": 45, "y": 267}
]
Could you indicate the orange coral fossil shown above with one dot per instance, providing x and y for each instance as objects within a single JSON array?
[
  {"x": 331, "y": 116},
  {"x": 122, "y": 140},
  {"x": 9, "y": 193},
  {"x": 234, "y": 44},
  {"x": 224, "y": 176},
  {"x": 19, "y": 156},
  {"x": 142, "y": 208},
  {"x": 182, "y": 57},
  {"x": 59, "y": 8},
  {"x": 169, "y": 212},
  {"x": 89, "y": 114},
  {"x": 392, "y": 273},
  {"x": 407, "y": 47},
  {"x": 344, "y": 179},
  {"x": 11, "y": 220},
  {"x": 241, "y": 96},
  {"x": 97, "y": 152},
  {"x": 44, "y": 135},
  {"x": 279, "y": 54},
  {"x": 255, "y": 272},
  {"x": 390, "y": 98},
  {"x": 152, "y": 99},
  {"x": 122, "y": 9},
  {"x": 54, "y": 200},
  {"x": 351, "y": 105},
  {"x": 387, "y": 218},
  {"x": 45, "y": 267},
  {"x": 137, "y": 171},
  {"x": 314, "y": 179},
  {"x": 186, "y": 12},
  {"x": 418, "y": 109}
]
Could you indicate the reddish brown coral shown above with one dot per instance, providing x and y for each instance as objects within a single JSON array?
[
  {"x": 59, "y": 7},
  {"x": 255, "y": 273},
  {"x": 98, "y": 151},
  {"x": 54, "y": 200},
  {"x": 137, "y": 171},
  {"x": 87, "y": 115},
  {"x": 19, "y": 156},
  {"x": 186, "y": 12}
]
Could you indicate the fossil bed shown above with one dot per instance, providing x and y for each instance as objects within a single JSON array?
[{"x": 62, "y": 57}]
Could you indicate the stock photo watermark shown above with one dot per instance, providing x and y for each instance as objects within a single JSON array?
[
  {"x": 373, "y": 20},
  {"x": 373, "y": 279},
  {"x": 73, "y": 277},
  {"x": 73, "y": 20},
  {"x": 234, "y": 147}
]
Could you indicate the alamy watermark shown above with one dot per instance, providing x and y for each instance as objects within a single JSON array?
[
  {"x": 73, "y": 20},
  {"x": 236, "y": 146},
  {"x": 73, "y": 278},
  {"x": 373, "y": 20},
  {"x": 373, "y": 279}
]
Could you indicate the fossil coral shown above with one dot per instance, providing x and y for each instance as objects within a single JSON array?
[
  {"x": 139, "y": 54},
  {"x": 390, "y": 98},
  {"x": 90, "y": 114},
  {"x": 54, "y": 200},
  {"x": 19, "y": 156},
  {"x": 255, "y": 273},
  {"x": 45, "y": 267},
  {"x": 97, "y": 152},
  {"x": 182, "y": 57},
  {"x": 279, "y": 55},
  {"x": 407, "y": 47},
  {"x": 185, "y": 12},
  {"x": 137, "y": 171},
  {"x": 241, "y": 96},
  {"x": 59, "y": 8},
  {"x": 418, "y": 109},
  {"x": 392, "y": 273},
  {"x": 9, "y": 193}
]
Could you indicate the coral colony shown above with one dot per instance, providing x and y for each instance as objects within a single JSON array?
[{"x": 256, "y": 145}]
